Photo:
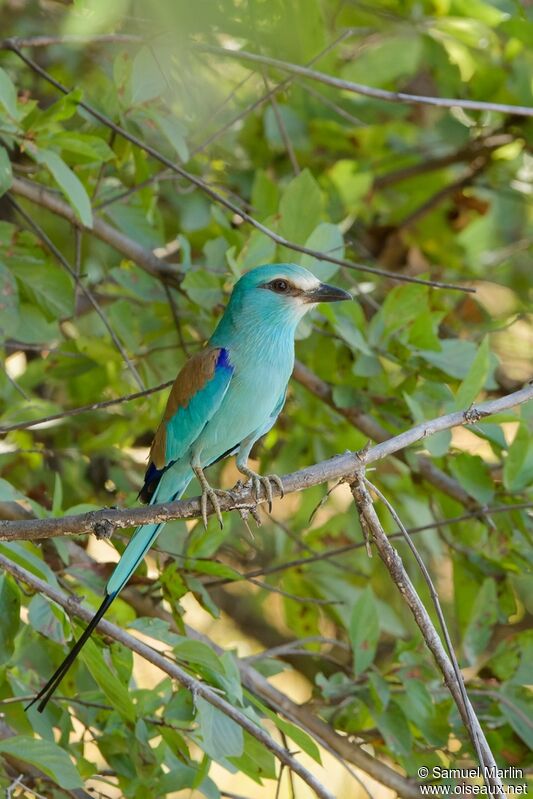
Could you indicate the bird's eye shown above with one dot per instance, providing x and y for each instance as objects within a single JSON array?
[{"x": 281, "y": 286}]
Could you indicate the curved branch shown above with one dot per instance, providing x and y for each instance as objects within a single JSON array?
[
  {"x": 103, "y": 522},
  {"x": 367, "y": 91},
  {"x": 452, "y": 677},
  {"x": 196, "y": 687},
  {"x": 129, "y": 248}
]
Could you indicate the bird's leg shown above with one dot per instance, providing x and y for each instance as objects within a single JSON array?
[
  {"x": 259, "y": 480},
  {"x": 210, "y": 494}
]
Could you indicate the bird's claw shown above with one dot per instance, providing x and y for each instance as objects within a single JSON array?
[
  {"x": 265, "y": 482},
  {"x": 212, "y": 494}
]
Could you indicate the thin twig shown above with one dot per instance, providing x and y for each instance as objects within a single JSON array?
[
  {"x": 95, "y": 406},
  {"x": 283, "y": 130},
  {"x": 336, "y": 551}
]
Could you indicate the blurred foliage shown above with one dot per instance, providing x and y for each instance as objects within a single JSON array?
[{"x": 413, "y": 189}]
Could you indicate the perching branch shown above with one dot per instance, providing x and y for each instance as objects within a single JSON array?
[
  {"x": 220, "y": 199},
  {"x": 196, "y": 687},
  {"x": 103, "y": 522},
  {"x": 392, "y": 560},
  {"x": 367, "y": 91}
]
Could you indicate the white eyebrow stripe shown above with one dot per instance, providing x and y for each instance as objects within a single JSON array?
[{"x": 301, "y": 282}]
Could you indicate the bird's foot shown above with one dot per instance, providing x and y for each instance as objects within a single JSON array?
[
  {"x": 263, "y": 481},
  {"x": 211, "y": 494}
]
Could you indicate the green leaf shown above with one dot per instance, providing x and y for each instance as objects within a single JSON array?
[
  {"x": 518, "y": 466},
  {"x": 300, "y": 208},
  {"x": 147, "y": 78},
  {"x": 68, "y": 182},
  {"x": 393, "y": 724},
  {"x": 156, "y": 628},
  {"x": 203, "y": 288},
  {"x": 517, "y": 707},
  {"x": 364, "y": 631},
  {"x": 265, "y": 195},
  {"x": 9, "y": 302},
  {"x": 116, "y": 692},
  {"x": 256, "y": 760},
  {"x": 483, "y": 618},
  {"x": 293, "y": 124},
  {"x": 198, "y": 653},
  {"x": 33, "y": 328},
  {"x": 10, "y": 613},
  {"x": 456, "y": 357},
  {"x": 300, "y": 738},
  {"x": 403, "y": 305},
  {"x": 29, "y": 557},
  {"x": 351, "y": 184},
  {"x": 221, "y": 736},
  {"x": 325, "y": 238},
  {"x": 48, "y": 619},
  {"x": 390, "y": 58},
  {"x": 175, "y": 132},
  {"x": 57, "y": 501},
  {"x": 8, "y": 95},
  {"x": 48, "y": 286},
  {"x": 471, "y": 471},
  {"x": 92, "y": 148},
  {"x": 476, "y": 377},
  {"x": 259, "y": 249},
  {"x": 47, "y": 756},
  {"x": 6, "y": 175}
]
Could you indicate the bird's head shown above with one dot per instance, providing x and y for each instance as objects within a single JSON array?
[{"x": 282, "y": 292}]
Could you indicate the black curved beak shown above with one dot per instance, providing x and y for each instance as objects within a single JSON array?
[{"x": 326, "y": 293}]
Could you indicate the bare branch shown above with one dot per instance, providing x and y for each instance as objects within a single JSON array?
[
  {"x": 129, "y": 248},
  {"x": 196, "y": 687},
  {"x": 221, "y": 199},
  {"x": 367, "y": 91},
  {"x": 340, "y": 466},
  {"x": 472, "y": 721},
  {"x": 393, "y": 562}
]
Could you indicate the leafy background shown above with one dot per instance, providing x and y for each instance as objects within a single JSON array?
[{"x": 415, "y": 190}]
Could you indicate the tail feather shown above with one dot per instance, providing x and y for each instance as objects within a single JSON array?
[
  {"x": 46, "y": 692},
  {"x": 170, "y": 487}
]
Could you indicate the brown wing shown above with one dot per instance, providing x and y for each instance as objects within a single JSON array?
[{"x": 192, "y": 378}]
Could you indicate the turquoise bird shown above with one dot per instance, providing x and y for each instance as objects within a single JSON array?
[{"x": 224, "y": 399}]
